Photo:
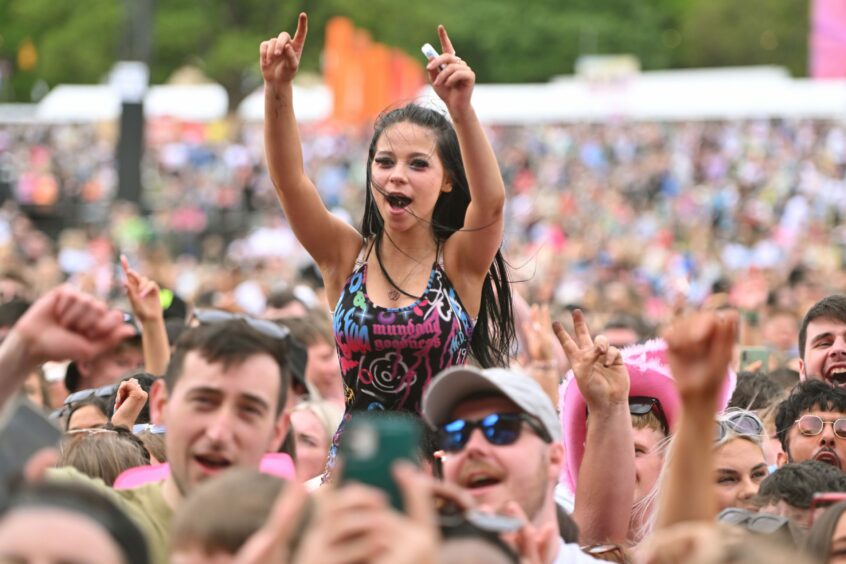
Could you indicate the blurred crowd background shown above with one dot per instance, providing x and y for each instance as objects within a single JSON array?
[{"x": 638, "y": 218}]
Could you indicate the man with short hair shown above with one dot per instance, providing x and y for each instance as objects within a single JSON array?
[
  {"x": 222, "y": 398},
  {"x": 822, "y": 341},
  {"x": 790, "y": 490},
  {"x": 502, "y": 443},
  {"x": 110, "y": 365},
  {"x": 811, "y": 424},
  {"x": 322, "y": 369}
]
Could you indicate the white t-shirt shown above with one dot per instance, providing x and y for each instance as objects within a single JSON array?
[{"x": 570, "y": 553}]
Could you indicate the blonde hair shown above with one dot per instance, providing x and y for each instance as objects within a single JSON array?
[
  {"x": 648, "y": 421},
  {"x": 328, "y": 413}
]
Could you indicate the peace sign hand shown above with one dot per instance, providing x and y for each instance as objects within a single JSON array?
[
  {"x": 451, "y": 78},
  {"x": 280, "y": 56},
  {"x": 598, "y": 367}
]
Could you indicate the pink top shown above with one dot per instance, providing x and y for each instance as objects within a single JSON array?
[{"x": 274, "y": 463}]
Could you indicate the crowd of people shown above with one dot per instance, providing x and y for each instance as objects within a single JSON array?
[{"x": 620, "y": 342}]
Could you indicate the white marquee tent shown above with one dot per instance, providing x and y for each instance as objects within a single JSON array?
[
  {"x": 732, "y": 93},
  {"x": 83, "y": 103}
]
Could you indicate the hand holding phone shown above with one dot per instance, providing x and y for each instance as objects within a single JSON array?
[
  {"x": 371, "y": 444},
  {"x": 754, "y": 359},
  {"x": 25, "y": 431}
]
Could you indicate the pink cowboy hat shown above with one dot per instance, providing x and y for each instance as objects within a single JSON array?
[{"x": 650, "y": 377}]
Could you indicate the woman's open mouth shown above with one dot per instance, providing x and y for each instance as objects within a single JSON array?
[{"x": 397, "y": 201}]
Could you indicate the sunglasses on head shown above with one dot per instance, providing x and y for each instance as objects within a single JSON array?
[
  {"x": 813, "y": 425},
  {"x": 101, "y": 392},
  {"x": 269, "y": 328},
  {"x": 499, "y": 429},
  {"x": 148, "y": 427},
  {"x": 641, "y": 405},
  {"x": 762, "y": 523},
  {"x": 738, "y": 422}
]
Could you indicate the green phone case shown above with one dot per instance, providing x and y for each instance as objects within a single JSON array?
[{"x": 371, "y": 443}]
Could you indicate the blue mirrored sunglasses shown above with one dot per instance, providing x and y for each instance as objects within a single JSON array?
[{"x": 499, "y": 429}]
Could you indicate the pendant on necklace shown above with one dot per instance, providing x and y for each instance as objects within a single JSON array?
[{"x": 393, "y": 294}]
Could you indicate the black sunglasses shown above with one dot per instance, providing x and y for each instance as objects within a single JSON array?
[
  {"x": 269, "y": 328},
  {"x": 499, "y": 429},
  {"x": 641, "y": 405}
]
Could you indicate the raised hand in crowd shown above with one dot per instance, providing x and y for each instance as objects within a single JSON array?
[
  {"x": 533, "y": 544},
  {"x": 280, "y": 56},
  {"x": 143, "y": 295},
  {"x": 355, "y": 523},
  {"x": 598, "y": 367},
  {"x": 699, "y": 349},
  {"x": 607, "y": 475},
  {"x": 540, "y": 347},
  {"x": 63, "y": 324},
  {"x": 131, "y": 399},
  {"x": 452, "y": 79}
]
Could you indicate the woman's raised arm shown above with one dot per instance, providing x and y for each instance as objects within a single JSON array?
[{"x": 330, "y": 241}]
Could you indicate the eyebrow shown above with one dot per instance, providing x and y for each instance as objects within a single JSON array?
[
  {"x": 821, "y": 336},
  {"x": 251, "y": 398},
  {"x": 759, "y": 467},
  {"x": 416, "y": 154}
]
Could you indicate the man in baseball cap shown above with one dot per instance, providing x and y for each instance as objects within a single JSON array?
[{"x": 502, "y": 443}]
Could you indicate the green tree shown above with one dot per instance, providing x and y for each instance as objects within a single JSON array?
[
  {"x": 752, "y": 32},
  {"x": 75, "y": 41},
  {"x": 505, "y": 40}
]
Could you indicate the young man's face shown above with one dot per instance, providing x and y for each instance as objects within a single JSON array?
[
  {"x": 109, "y": 367},
  {"x": 217, "y": 418},
  {"x": 323, "y": 370},
  {"x": 825, "y": 351},
  {"x": 494, "y": 475},
  {"x": 72, "y": 537},
  {"x": 649, "y": 459},
  {"x": 825, "y": 447}
]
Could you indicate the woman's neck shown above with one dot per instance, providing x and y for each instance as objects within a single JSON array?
[{"x": 404, "y": 248}]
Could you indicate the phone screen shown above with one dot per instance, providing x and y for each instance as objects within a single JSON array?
[
  {"x": 758, "y": 356},
  {"x": 370, "y": 445},
  {"x": 24, "y": 432}
]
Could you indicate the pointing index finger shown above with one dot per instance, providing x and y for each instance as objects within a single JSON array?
[
  {"x": 302, "y": 31},
  {"x": 446, "y": 44}
]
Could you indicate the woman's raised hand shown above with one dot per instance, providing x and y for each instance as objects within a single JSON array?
[
  {"x": 451, "y": 78},
  {"x": 280, "y": 56}
]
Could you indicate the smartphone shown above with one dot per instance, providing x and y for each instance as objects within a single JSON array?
[
  {"x": 371, "y": 443},
  {"x": 750, "y": 355},
  {"x": 25, "y": 430}
]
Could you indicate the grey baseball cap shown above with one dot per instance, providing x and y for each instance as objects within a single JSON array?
[{"x": 453, "y": 385}]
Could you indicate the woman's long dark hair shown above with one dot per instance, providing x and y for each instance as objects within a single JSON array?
[{"x": 493, "y": 338}]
